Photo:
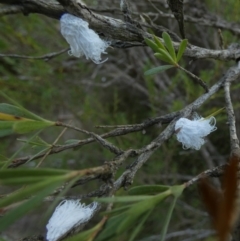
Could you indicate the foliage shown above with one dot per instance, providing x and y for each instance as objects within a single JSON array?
[
  {"x": 72, "y": 90},
  {"x": 166, "y": 54}
]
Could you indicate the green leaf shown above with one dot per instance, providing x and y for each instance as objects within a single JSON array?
[
  {"x": 72, "y": 141},
  {"x": 83, "y": 236},
  {"x": 3, "y": 158},
  {"x": 28, "y": 191},
  {"x": 24, "y": 172},
  {"x": 151, "y": 44},
  {"x": 28, "y": 126},
  {"x": 169, "y": 45},
  {"x": 6, "y": 128},
  {"x": 148, "y": 189},
  {"x": 214, "y": 113},
  {"x": 139, "y": 209},
  {"x": 176, "y": 191},
  {"x": 27, "y": 205},
  {"x": 165, "y": 56},
  {"x": 181, "y": 49},
  {"x": 13, "y": 111},
  {"x": 86, "y": 235},
  {"x": 2, "y": 164},
  {"x": 117, "y": 210},
  {"x": 123, "y": 199},
  {"x": 18, "y": 110},
  {"x": 159, "y": 43},
  {"x": 111, "y": 227},
  {"x": 36, "y": 141},
  {"x": 21, "y": 181},
  {"x": 18, "y": 151},
  {"x": 168, "y": 218},
  {"x": 158, "y": 69},
  {"x": 139, "y": 227}
]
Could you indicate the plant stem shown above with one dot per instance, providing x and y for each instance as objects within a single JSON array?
[{"x": 196, "y": 78}]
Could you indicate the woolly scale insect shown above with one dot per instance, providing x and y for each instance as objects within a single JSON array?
[
  {"x": 191, "y": 133},
  {"x": 67, "y": 215},
  {"x": 82, "y": 39}
]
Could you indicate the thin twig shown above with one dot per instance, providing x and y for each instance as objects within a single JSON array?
[
  {"x": 98, "y": 138},
  {"x": 55, "y": 142},
  {"x": 214, "y": 172},
  {"x": 221, "y": 41},
  {"x": 231, "y": 118},
  {"x": 196, "y": 78},
  {"x": 46, "y": 57},
  {"x": 232, "y": 74}
]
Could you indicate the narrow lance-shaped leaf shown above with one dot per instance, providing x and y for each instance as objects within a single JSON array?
[
  {"x": 124, "y": 199},
  {"x": 17, "y": 152},
  {"x": 7, "y": 117},
  {"x": 28, "y": 126},
  {"x": 21, "y": 181},
  {"x": 111, "y": 227},
  {"x": 148, "y": 189},
  {"x": 6, "y": 128},
  {"x": 158, "y": 69},
  {"x": 116, "y": 211},
  {"x": 163, "y": 58},
  {"x": 151, "y": 44},
  {"x": 24, "y": 172},
  {"x": 167, "y": 56},
  {"x": 18, "y": 110},
  {"x": 169, "y": 45},
  {"x": 26, "y": 206},
  {"x": 214, "y": 113},
  {"x": 28, "y": 191},
  {"x": 36, "y": 142},
  {"x": 139, "y": 227},
  {"x": 140, "y": 208},
  {"x": 168, "y": 218},
  {"x": 181, "y": 49},
  {"x": 159, "y": 43},
  {"x": 176, "y": 192},
  {"x": 88, "y": 235}
]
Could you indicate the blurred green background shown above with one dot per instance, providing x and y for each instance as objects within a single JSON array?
[{"x": 117, "y": 93}]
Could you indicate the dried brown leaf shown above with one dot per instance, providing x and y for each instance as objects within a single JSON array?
[
  {"x": 222, "y": 207},
  {"x": 211, "y": 198},
  {"x": 228, "y": 208}
]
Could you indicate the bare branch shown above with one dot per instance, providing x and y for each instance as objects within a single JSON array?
[
  {"x": 231, "y": 118},
  {"x": 12, "y": 9},
  {"x": 197, "y": 79},
  {"x": 122, "y": 35},
  {"x": 214, "y": 172},
  {"x": 45, "y": 57}
]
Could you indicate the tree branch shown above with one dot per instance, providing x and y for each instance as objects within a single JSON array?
[
  {"x": 122, "y": 34},
  {"x": 45, "y": 57}
]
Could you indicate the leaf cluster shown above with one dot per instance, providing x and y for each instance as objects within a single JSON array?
[
  {"x": 17, "y": 119},
  {"x": 165, "y": 51},
  {"x": 138, "y": 206}
]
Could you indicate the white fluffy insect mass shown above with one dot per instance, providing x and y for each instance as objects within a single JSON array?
[
  {"x": 82, "y": 39},
  {"x": 191, "y": 133},
  {"x": 67, "y": 215}
]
